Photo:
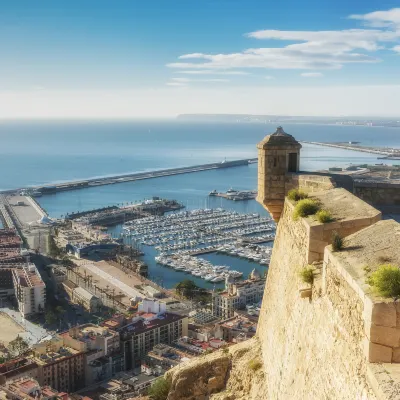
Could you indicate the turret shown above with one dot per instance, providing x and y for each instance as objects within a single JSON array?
[{"x": 278, "y": 155}]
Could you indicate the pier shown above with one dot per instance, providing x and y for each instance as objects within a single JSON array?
[{"x": 110, "y": 180}]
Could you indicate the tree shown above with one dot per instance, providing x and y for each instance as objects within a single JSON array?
[
  {"x": 187, "y": 288},
  {"x": 159, "y": 389},
  {"x": 60, "y": 310},
  {"x": 50, "y": 317},
  {"x": 18, "y": 346}
]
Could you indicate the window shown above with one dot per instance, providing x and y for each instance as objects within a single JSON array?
[{"x": 292, "y": 166}]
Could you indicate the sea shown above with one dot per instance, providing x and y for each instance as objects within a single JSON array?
[{"x": 44, "y": 152}]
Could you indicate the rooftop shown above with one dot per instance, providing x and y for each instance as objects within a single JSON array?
[
  {"x": 54, "y": 356},
  {"x": 279, "y": 138},
  {"x": 143, "y": 326},
  {"x": 28, "y": 276},
  {"x": 83, "y": 293}
]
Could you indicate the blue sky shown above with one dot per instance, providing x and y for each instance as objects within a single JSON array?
[{"x": 87, "y": 58}]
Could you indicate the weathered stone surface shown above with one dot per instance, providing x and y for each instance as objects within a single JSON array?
[
  {"x": 384, "y": 335},
  {"x": 220, "y": 376},
  {"x": 384, "y": 314},
  {"x": 200, "y": 378},
  {"x": 376, "y": 352}
]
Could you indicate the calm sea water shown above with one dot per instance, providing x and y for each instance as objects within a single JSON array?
[
  {"x": 34, "y": 153},
  {"x": 37, "y": 152}
]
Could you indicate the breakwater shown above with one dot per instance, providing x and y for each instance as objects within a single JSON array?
[
  {"x": 82, "y": 184},
  {"x": 354, "y": 147}
]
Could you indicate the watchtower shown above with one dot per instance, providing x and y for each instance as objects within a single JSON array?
[{"x": 278, "y": 155}]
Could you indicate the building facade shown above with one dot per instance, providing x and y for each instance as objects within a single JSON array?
[
  {"x": 147, "y": 330},
  {"x": 237, "y": 296},
  {"x": 30, "y": 290}
]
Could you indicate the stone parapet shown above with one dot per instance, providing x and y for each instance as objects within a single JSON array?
[
  {"x": 365, "y": 251},
  {"x": 350, "y": 214}
]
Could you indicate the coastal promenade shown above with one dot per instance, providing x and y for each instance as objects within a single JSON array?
[{"x": 82, "y": 184}]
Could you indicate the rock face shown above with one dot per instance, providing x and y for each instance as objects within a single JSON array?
[{"x": 233, "y": 375}]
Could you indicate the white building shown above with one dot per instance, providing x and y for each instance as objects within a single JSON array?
[
  {"x": 152, "y": 306},
  {"x": 30, "y": 290},
  {"x": 237, "y": 296}
]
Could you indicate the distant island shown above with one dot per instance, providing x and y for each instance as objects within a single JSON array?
[{"x": 278, "y": 119}]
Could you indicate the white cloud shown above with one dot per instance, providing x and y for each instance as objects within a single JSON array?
[
  {"x": 187, "y": 80},
  {"x": 396, "y": 48},
  {"x": 175, "y": 84},
  {"x": 380, "y": 19},
  {"x": 311, "y": 50},
  {"x": 181, "y": 79},
  {"x": 312, "y": 74},
  {"x": 269, "y": 77},
  {"x": 210, "y": 72}
]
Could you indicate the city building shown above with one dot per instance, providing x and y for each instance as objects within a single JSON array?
[
  {"x": 30, "y": 290},
  {"x": 102, "y": 350},
  {"x": 238, "y": 329},
  {"x": 27, "y": 388},
  {"x": 6, "y": 282},
  {"x": 237, "y": 295},
  {"x": 150, "y": 326},
  {"x": 18, "y": 368},
  {"x": 87, "y": 300},
  {"x": 10, "y": 247},
  {"x": 60, "y": 365}
]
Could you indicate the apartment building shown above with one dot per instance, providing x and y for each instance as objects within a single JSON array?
[
  {"x": 103, "y": 358},
  {"x": 237, "y": 295},
  {"x": 151, "y": 326},
  {"x": 59, "y": 365},
  {"x": 30, "y": 290}
]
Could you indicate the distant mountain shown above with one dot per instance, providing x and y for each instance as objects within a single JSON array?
[{"x": 278, "y": 119}]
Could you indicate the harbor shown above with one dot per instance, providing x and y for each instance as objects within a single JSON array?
[{"x": 180, "y": 238}]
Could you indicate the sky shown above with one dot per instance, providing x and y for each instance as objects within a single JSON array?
[{"x": 161, "y": 58}]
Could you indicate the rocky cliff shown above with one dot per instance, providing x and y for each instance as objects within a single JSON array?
[{"x": 334, "y": 340}]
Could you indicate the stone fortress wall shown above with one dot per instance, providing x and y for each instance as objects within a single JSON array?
[{"x": 334, "y": 340}]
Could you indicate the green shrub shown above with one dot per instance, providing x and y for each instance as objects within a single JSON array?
[
  {"x": 337, "y": 242},
  {"x": 159, "y": 389},
  {"x": 304, "y": 208},
  {"x": 324, "y": 216},
  {"x": 296, "y": 195},
  {"x": 225, "y": 350},
  {"x": 386, "y": 281},
  {"x": 255, "y": 365},
  {"x": 307, "y": 275}
]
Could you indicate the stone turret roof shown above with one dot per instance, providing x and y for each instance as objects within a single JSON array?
[{"x": 279, "y": 138}]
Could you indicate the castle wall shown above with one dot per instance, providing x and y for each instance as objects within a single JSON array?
[
  {"x": 379, "y": 194},
  {"x": 311, "y": 349}
]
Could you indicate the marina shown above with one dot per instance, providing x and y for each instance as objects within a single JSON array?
[{"x": 180, "y": 237}]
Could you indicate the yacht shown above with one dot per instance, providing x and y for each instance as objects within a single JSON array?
[
  {"x": 231, "y": 191},
  {"x": 213, "y": 193}
]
